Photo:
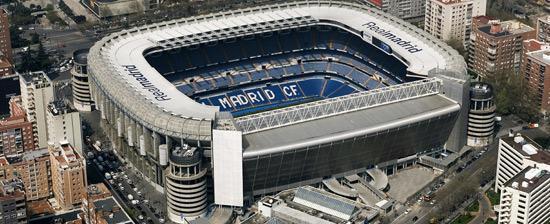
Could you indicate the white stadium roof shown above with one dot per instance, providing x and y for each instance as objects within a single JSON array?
[{"x": 117, "y": 61}]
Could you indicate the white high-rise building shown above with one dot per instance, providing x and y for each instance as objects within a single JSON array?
[
  {"x": 526, "y": 198},
  {"x": 523, "y": 179},
  {"x": 36, "y": 93},
  {"x": 452, "y": 19},
  {"x": 64, "y": 124}
]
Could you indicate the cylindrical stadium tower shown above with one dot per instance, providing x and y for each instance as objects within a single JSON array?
[
  {"x": 186, "y": 185},
  {"x": 81, "y": 87},
  {"x": 481, "y": 119}
]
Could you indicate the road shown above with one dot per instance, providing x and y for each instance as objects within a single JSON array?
[{"x": 424, "y": 211}]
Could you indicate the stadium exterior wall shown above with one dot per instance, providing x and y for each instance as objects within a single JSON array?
[{"x": 302, "y": 166}]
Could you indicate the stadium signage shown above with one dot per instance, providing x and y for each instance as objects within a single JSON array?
[
  {"x": 392, "y": 37},
  {"x": 257, "y": 96},
  {"x": 145, "y": 83}
]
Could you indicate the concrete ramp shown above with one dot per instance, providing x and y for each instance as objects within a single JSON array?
[
  {"x": 379, "y": 179},
  {"x": 342, "y": 190}
]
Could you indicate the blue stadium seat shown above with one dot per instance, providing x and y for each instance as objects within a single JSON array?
[
  {"x": 221, "y": 82},
  {"x": 312, "y": 87},
  {"x": 258, "y": 75},
  {"x": 331, "y": 86},
  {"x": 341, "y": 69},
  {"x": 276, "y": 72},
  {"x": 293, "y": 69},
  {"x": 185, "y": 89},
  {"x": 240, "y": 78},
  {"x": 343, "y": 90}
]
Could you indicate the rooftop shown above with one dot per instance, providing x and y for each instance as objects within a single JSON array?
[
  {"x": 110, "y": 210},
  {"x": 60, "y": 107},
  {"x": 528, "y": 179},
  {"x": 339, "y": 127},
  {"x": 497, "y": 28},
  {"x": 36, "y": 78},
  {"x": 528, "y": 148}
]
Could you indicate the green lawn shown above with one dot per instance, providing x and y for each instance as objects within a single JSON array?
[
  {"x": 493, "y": 197},
  {"x": 463, "y": 219},
  {"x": 491, "y": 221},
  {"x": 474, "y": 207}
]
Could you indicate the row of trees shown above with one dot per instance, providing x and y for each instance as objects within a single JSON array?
[
  {"x": 35, "y": 60},
  {"x": 78, "y": 19}
]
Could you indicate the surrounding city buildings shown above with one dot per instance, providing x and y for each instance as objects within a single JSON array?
[
  {"x": 81, "y": 87},
  {"x": 16, "y": 131},
  {"x": 543, "y": 29},
  {"x": 515, "y": 153},
  {"x": 535, "y": 68},
  {"x": 68, "y": 175},
  {"x": 64, "y": 124},
  {"x": 481, "y": 118},
  {"x": 13, "y": 207},
  {"x": 452, "y": 19},
  {"x": 523, "y": 180},
  {"x": 410, "y": 10},
  {"x": 497, "y": 46},
  {"x": 5, "y": 41},
  {"x": 36, "y": 93},
  {"x": 33, "y": 169},
  {"x": 524, "y": 198},
  {"x": 106, "y": 9},
  {"x": 99, "y": 207},
  {"x": 5, "y": 67}
]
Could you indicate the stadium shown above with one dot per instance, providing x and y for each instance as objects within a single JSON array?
[{"x": 221, "y": 108}]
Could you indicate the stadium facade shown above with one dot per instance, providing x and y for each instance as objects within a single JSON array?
[{"x": 223, "y": 107}]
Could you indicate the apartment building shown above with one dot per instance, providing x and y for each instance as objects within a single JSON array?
[
  {"x": 515, "y": 153},
  {"x": 13, "y": 206},
  {"x": 68, "y": 175},
  {"x": 535, "y": 68},
  {"x": 5, "y": 41},
  {"x": 36, "y": 93},
  {"x": 543, "y": 29},
  {"x": 16, "y": 135},
  {"x": 33, "y": 169},
  {"x": 64, "y": 124},
  {"x": 497, "y": 46},
  {"x": 452, "y": 19},
  {"x": 524, "y": 198},
  {"x": 409, "y": 10}
]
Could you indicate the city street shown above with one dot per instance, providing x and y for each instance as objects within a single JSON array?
[{"x": 424, "y": 211}]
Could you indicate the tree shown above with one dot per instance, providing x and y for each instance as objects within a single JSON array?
[
  {"x": 458, "y": 45},
  {"x": 512, "y": 95},
  {"x": 42, "y": 59}
]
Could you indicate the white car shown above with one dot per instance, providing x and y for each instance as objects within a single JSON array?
[
  {"x": 140, "y": 217},
  {"x": 135, "y": 202}
]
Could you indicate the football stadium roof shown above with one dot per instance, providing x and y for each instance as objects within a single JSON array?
[{"x": 120, "y": 69}]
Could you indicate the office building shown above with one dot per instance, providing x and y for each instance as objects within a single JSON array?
[
  {"x": 33, "y": 169},
  {"x": 82, "y": 100},
  {"x": 452, "y": 19},
  {"x": 524, "y": 198},
  {"x": 36, "y": 93},
  {"x": 535, "y": 68},
  {"x": 409, "y": 10},
  {"x": 64, "y": 124},
  {"x": 68, "y": 175},
  {"x": 16, "y": 131},
  {"x": 497, "y": 46},
  {"x": 13, "y": 207},
  {"x": 543, "y": 29},
  {"x": 481, "y": 119},
  {"x": 5, "y": 41}
]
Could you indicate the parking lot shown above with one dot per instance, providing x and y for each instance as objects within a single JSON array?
[{"x": 407, "y": 182}]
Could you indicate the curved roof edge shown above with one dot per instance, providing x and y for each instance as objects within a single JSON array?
[{"x": 195, "y": 120}]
